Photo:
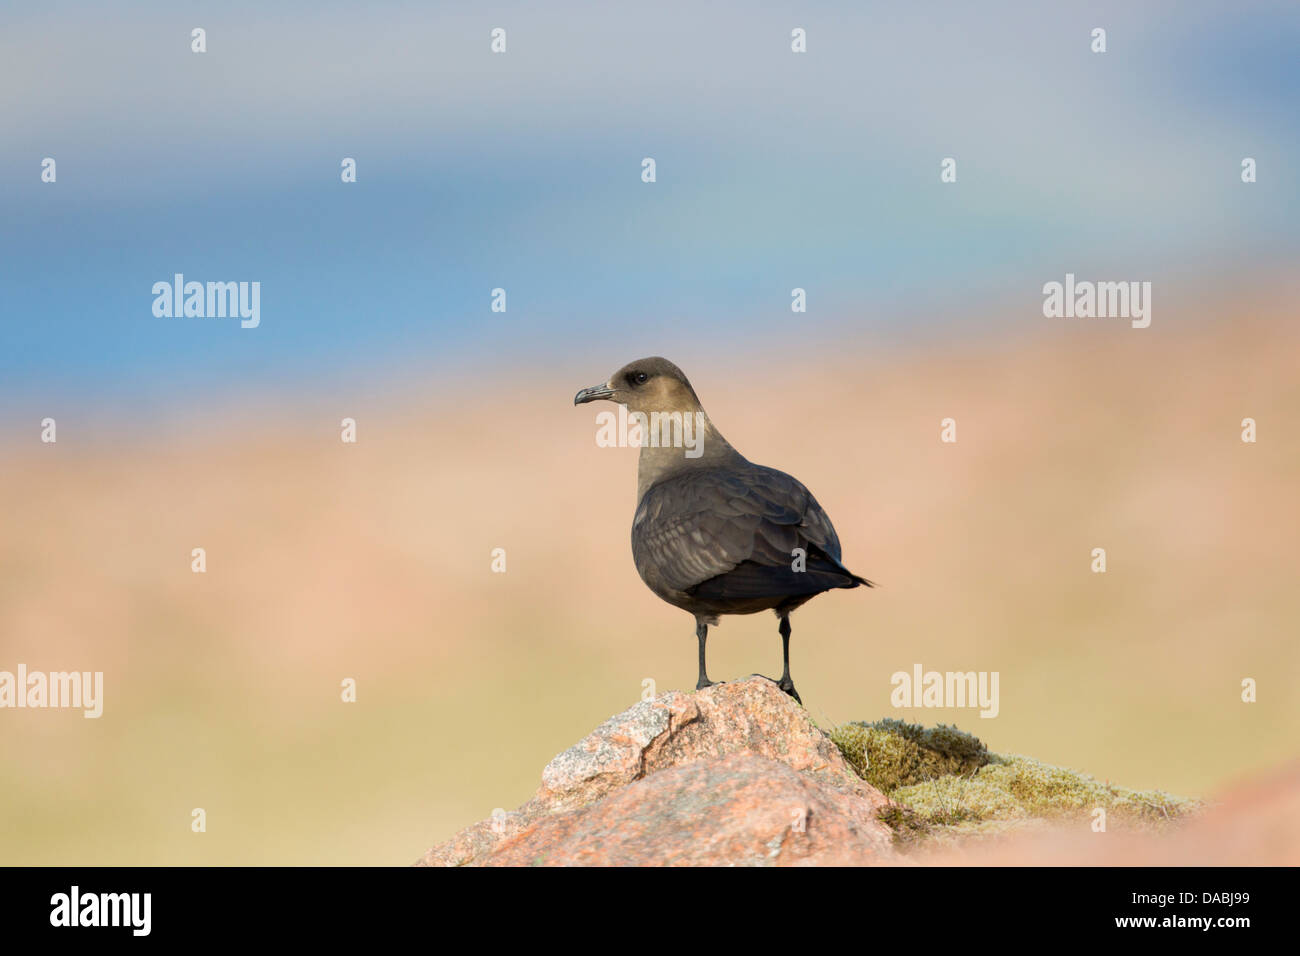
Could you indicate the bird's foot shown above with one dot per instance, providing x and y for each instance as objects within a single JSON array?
[
  {"x": 785, "y": 684},
  {"x": 701, "y": 684}
]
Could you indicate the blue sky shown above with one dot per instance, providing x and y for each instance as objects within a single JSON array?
[{"x": 522, "y": 171}]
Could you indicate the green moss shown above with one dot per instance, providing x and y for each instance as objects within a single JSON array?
[
  {"x": 1015, "y": 789},
  {"x": 890, "y": 754},
  {"x": 944, "y": 784},
  {"x": 909, "y": 826}
]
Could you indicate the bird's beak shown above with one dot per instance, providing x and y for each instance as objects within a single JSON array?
[{"x": 593, "y": 394}]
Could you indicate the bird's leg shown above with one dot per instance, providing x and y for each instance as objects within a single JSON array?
[
  {"x": 785, "y": 683},
  {"x": 702, "y": 634}
]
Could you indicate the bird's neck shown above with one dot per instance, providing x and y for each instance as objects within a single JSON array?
[{"x": 677, "y": 442}]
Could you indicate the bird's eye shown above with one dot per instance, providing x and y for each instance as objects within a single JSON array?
[{"x": 640, "y": 378}]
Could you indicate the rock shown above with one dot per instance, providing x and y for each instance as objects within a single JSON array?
[
  {"x": 739, "y": 811},
  {"x": 736, "y": 774}
]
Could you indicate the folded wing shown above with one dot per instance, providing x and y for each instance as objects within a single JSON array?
[{"x": 733, "y": 533}]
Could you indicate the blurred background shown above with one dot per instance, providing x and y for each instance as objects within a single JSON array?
[{"x": 522, "y": 171}]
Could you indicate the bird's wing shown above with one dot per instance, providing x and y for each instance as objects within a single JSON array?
[{"x": 701, "y": 524}]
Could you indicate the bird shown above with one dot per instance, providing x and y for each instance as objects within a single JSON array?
[{"x": 714, "y": 533}]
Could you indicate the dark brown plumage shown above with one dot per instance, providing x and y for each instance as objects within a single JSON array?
[{"x": 714, "y": 533}]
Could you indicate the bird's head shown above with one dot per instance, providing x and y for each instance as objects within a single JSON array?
[{"x": 646, "y": 385}]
